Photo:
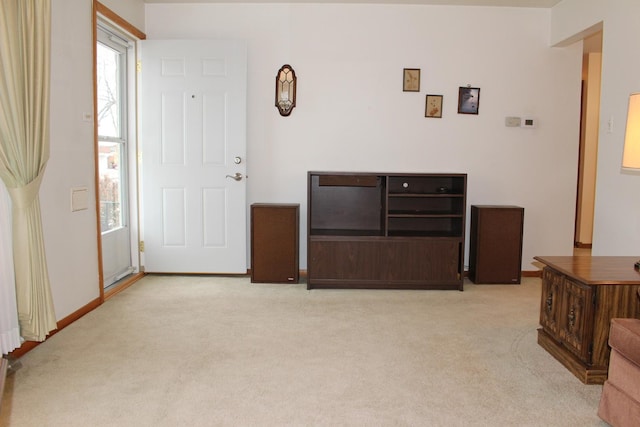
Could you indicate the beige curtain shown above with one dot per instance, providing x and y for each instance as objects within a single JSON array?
[
  {"x": 24, "y": 151},
  {"x": 9, "y": 328}
]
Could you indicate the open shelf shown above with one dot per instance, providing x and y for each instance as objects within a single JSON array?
[
  {"x": 345, "y": 232},
  {"x": 424, "y": 216},
  {"x": 347, "y": 202}
]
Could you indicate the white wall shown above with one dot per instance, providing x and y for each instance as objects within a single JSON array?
[
  {"x": 617, "y": 207},
  {"x": 70, "y": 237},
  {"x": 361, "y": 120},
  {"x": 131, "y": 10},
  {"x": 352, "y": 115},
  {"x": 70, "y": 240}
]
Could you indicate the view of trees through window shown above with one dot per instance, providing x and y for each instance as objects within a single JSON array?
[{"x": 110, "y": 81}]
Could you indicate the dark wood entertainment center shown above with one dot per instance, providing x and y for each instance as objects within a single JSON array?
[{"x": 386, "y": 230}]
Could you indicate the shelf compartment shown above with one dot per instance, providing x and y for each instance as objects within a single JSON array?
[
  {"x": 422, "y": 233},
  {"x": 347, "y": 202},
  {"x": 421, "y": 214},
  {"x": 425, "y": 226},
  {"x": 431, "y": 184},
  {"x": 345, "y": 232},
  {"x": 426, "y": 195},
  {"x": 426, "y": 205}
]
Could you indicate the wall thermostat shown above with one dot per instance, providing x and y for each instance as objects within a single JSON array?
[{"x": 528, "y": 122}]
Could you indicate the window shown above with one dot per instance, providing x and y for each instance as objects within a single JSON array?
[{"x": 112, "y": 129}]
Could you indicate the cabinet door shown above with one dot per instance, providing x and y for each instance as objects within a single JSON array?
[
  {"x": 551, "y": 301},
  {"x": 390, "y": 263},
  {"x": 576, "y": 319},
  {"x": 344, "y": 260},
  {"x": 421, "y": 261}
]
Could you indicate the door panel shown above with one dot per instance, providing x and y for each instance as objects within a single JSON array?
[
  {"x": 214, "y": 214},
  {"x": 550, "y": 301},
  {"x": 576, "y": 318},
  {"x": 173, "y": 217},
  {"x": 193, "y": 126}
]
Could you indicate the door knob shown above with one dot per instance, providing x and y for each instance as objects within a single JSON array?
[{"x": 237, "y": 176}]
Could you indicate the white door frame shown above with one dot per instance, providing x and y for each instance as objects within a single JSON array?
[{"x": 128, "y": 243}]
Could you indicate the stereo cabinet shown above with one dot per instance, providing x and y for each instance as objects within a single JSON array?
[{"x": 392, "y": 231}]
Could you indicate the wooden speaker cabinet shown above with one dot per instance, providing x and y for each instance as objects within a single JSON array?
[
  {"x": 274, "y": 243},
  {"x": 495, "y": 251}
]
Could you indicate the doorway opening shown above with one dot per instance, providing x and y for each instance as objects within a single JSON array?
[
  {"x": 588, "y": 151},
  {"x": 112, "y": 62},
  {"x": 115, "y": 124}
]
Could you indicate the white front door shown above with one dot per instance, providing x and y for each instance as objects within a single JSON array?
[{"x": 193, "y": 139}]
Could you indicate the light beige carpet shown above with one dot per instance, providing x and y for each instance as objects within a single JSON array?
[{"x": 212, "y": 351}]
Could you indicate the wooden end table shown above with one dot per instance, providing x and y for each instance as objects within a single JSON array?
[{"x": 580, "y": 295}]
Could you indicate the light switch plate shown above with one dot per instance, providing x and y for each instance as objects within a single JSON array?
[{"x": 512, "y": 122}]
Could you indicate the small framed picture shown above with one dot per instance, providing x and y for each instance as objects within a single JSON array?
[
  {"x": 433, "y": 106},
  {"x": 411, "y": 80},
  {"x": 468, "y": 100}
]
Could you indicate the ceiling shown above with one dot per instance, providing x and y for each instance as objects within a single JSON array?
[{"x": 506, "y": 3}]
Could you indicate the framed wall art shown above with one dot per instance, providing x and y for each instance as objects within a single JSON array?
[
  {"x": 468, "y": 100},
  {"x": 433, "y": 106},
  {"x": 411, "y": 80}
]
